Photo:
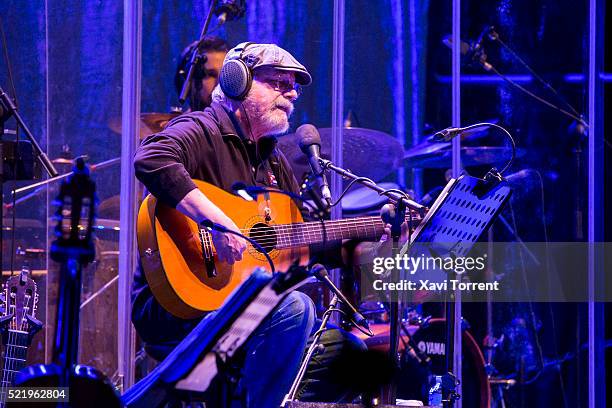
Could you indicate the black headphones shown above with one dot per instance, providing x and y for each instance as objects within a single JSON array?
[{"x": 236, "y": 76}]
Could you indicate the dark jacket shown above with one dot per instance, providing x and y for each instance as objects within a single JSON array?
[{"x": 206, "y": 146}]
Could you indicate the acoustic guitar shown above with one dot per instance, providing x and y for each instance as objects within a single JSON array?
[{"x": 179, "y": 259}]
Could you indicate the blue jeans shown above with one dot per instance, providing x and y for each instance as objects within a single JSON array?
[
  {"x": 270, "y": 358},
  {"x": 274, "y": 351}
]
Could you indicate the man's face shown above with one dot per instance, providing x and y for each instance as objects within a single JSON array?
[
  {"x": 211, "y": 76},
  {"x": 269, "y": 103}
]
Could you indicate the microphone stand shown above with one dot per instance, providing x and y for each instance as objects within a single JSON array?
[
  {"x": 8, "y": 109},
  {"x": 357, "y": 319},
  {"x": 393, "y": 195},
  {"x": 196, "y": 57},
  {"x": 394, "y": 215},
  {"x": 8, "y": 104},
  {"x": 314, "y": 347}
]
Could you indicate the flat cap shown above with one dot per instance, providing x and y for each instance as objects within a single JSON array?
[{"x": 269, "y": 55}]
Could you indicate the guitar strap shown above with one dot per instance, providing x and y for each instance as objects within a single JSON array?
[{"x": 272, "y": 176}]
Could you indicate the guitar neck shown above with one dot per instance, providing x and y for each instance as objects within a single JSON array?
[
  {"x": 15, "y": 354},
  {"x": 316, "y": 232}
]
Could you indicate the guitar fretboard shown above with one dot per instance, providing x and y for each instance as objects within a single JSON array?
[
  {"x": 364, "y": 228},
  {"x": 15, "y": 354}
]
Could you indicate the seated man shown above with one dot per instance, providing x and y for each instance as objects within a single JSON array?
[{"x": 231, "y": 140}]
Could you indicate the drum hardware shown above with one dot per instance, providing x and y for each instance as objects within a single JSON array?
[
  {"x": 504, "y": 382},
  {"x": 364, "y": 201},
  {"x": 40, "y": 186},
  {"x": 73, "y": 249},
  {"x": 369, "y": 153},
  {"x": 439, "y": 155},
  {"x": 150, "y": 123},
  {"x": 393, "y": 195},
  {"x": 9, "y": 109},
  {"x": 99, "y": 292},
  {"x": 422, "y": 349}
]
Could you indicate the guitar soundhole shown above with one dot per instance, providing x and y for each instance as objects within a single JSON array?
[{"x": 264, "y": 235}]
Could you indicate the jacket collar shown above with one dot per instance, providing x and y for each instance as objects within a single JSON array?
[
  {"x": 230, "y": 128},
  {"x": 224, "y": 122}
]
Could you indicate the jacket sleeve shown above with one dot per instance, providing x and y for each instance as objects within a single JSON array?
[{"x": 166, "y": 162}]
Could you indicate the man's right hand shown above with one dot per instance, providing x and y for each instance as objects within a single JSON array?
[
  {"x": 198, "y": 207},
  {"x": 229, "y": 246}
]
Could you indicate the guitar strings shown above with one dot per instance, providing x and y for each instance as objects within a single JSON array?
[
  {"x": 7, "y": 359},
  {"x": 317, "y": 224},
  {"x": 301, "y": 233},
  {"x": 11, "y": 358},
  {"x": 7, "y": 351},
  {"x": 314, "y": 227},
  {"x": 291, "y": 232}
]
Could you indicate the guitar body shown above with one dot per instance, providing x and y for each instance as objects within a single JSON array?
[{"x": 179, "y": 260}]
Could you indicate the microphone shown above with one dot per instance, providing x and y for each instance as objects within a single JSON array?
[
  {"x": 473, "y": 52},
  {"x": 228, "y": 10},
  {"x": 320, "y": 273},
  {"x": 310, "y": 144},
  {"x": 477, "y": 45},
  {"x": 445, "y": 135}
]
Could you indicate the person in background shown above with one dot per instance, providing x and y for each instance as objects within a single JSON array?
[{"x": 206, "y": 75}]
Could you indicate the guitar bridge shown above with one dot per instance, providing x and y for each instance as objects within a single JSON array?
[{"x": 207, "y": 253}]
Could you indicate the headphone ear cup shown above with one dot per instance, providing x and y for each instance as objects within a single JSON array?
[{"x": 235, "y": 79}]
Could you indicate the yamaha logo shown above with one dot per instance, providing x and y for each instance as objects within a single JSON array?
[{"x": 431, "y": 348}]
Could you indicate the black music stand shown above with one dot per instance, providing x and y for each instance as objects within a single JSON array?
[
  {"x": 465, "y": 209},
  {"x": 196, "y": 361}
]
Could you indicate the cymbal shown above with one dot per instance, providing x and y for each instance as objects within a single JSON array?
[
  {"x": 366, "y": 152},
  {"x": 150, "y": 123},
  {"x": 439, "y": 155}
]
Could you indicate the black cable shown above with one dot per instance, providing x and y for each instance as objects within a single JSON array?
[
  {"x": 536, "y": 97},
  {"x": 495, "y": 37},
  {"x": 352, "y": 182}
]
